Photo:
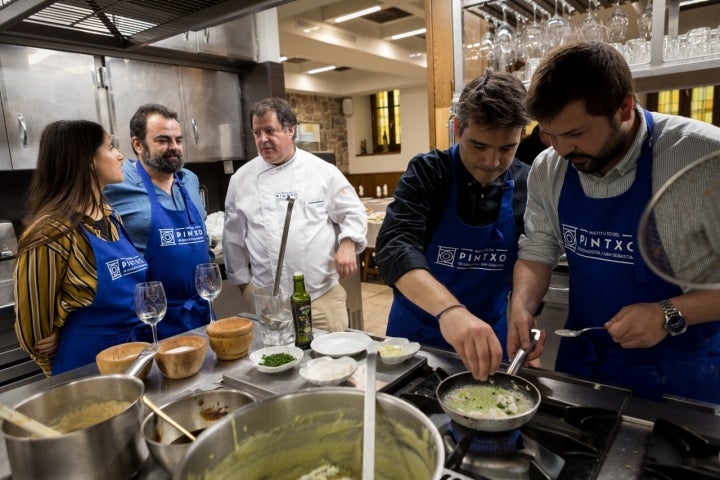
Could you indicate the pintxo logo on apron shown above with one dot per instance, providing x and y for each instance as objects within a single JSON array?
[
  {"x": 472, "y": 259},
  {"x": 599, "y": 245},
  {"x": 181, "y": 236},
  {"x": 121, "y": 267}
]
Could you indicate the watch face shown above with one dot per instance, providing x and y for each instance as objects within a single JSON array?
[{"x": 676, "y": 325}]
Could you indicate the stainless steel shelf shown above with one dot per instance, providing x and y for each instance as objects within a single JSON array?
[{"x": 675, "y": 75}]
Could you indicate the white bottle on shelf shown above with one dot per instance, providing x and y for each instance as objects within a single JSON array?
[
  {"x": 360, "y": 191},
  {"x": 385, "y": 190},
  {"x": 378, "y": 191}
]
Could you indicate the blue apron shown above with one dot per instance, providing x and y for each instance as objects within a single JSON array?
[
  {"x": 606, "y": 273},
  {"x": 110, "y": 319},
  {"x": 177, "y": 243},
  {"x": 474, "y": 262}
]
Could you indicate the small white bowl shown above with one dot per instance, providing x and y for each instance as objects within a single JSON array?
[
  {"x": 328, "y": 371},
  {"x": 256, "y": 358},
  {"x": 396, "y": 350}
]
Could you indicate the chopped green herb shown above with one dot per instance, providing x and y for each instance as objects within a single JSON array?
[{"x": 276, "y": 359}]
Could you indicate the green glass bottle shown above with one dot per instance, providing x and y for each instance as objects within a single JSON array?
[{"x": 301, "y": 312}]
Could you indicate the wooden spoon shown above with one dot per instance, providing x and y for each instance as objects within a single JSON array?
[{"x": 30, "y": 424}]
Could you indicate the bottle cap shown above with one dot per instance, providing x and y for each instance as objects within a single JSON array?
[{"x": 297, "y": 273}]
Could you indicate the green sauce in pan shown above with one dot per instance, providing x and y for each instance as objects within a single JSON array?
[{"x": 487, "y": 402}]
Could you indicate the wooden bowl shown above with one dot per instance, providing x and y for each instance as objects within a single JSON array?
[
  {"x": 181, "y": 356},
  {"x": 230, "y": 338},
  {"x": 117, "y": 359}
]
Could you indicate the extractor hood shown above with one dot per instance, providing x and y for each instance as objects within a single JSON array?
[{"x": 118, "y": 24}]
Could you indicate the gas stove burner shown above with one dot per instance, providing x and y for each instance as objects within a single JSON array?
[{"x": 491, "y": 444}]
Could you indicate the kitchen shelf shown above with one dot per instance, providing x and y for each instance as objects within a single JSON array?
[{"x": 677, "y": 74}]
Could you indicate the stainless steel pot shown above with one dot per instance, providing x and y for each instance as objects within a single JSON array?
[
  {"x": 195, "y": 412},
  {"x": 112, "y": 449},
  {"x": 294, "y": 434}
]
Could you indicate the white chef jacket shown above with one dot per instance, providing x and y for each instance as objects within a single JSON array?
[{"x": 255, "y": 210}]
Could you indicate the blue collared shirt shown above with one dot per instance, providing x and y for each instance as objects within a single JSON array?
[{"x": 130, "y": 199}]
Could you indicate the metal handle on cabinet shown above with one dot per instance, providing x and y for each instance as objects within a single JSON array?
[
  {"x": 206, "y": 34},
  {"x": 196, "y": 133},
  {"x": 24, "y": 130},
  {"x": 559, "y": 289},
  {"x": 187, "y": 36}
]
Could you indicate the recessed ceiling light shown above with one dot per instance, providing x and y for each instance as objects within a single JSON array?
[
  {"x": 320, "y": 70},
  {"x": 359, "y": 13},
  {"x": 411, "y": 33}
]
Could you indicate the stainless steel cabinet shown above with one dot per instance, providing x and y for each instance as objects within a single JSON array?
[
  {"x": 39, "y": 86},
  {"x": 207, "y": 102},
  {"x": 212, "y": 115},
  {"x": 234, "y": 39},
  {"x": 132, "y": 83},
  {"x": 5, "y": 163}
]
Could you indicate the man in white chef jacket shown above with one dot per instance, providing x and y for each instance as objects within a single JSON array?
[{"x": 255, "y": 210}]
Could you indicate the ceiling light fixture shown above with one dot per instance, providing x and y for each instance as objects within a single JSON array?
[
  {"x": 691, "y": 2},
  {"x": 320, "y": 70},
  {"x": 411, "y": 33},
  {"x": 359, "y": 13}
]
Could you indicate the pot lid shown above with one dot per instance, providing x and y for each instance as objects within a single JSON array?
[{"x": 119, "y": 24}]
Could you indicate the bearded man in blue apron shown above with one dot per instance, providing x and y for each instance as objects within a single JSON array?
[
  {"x": 449, "y": 239},
  {"x": 585, "y": 197},
  {"x": 159, "y": 202}
]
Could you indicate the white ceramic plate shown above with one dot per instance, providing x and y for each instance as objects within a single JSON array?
[
  {"x": 395, "y": 350},
  {"x": 256, "y": 358},
  {"x": 338, "y": 344},
  {"x": 328, "y": 371}
]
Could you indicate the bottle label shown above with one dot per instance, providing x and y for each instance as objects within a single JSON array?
[{"x": 302, "y": 316}]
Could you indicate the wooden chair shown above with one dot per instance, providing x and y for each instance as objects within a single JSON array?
[{"x": 368, "y": 266}]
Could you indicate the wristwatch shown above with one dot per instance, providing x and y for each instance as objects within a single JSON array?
[{"x": 675, "y": 323}]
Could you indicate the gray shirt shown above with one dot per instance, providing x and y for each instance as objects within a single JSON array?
[{"x": 676, "y": 142}]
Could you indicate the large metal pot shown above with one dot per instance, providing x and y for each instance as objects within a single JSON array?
[
  {"x": 291, "y": 435},
  {"x": 112, "y": 449},
  {"x": 108, "y": 450}
]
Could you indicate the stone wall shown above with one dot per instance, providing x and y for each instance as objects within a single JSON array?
[{"x": 327, "y": 111}]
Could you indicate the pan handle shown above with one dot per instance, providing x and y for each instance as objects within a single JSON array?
[{"x": 522, "y": 354}]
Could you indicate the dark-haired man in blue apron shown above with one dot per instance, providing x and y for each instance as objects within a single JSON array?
[
  {"x": 449, "y": 239},
  {"x": 160, "y": 206},
  {"x": 586, "y": 196}
]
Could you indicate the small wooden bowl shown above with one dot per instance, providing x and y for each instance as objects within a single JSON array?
[
  {"x": 117, "y": 359},
  {"x": 181, "y": 356},
  {"x": 230, "y": 338}
]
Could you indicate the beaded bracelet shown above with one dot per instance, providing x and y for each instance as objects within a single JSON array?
[{"x": 456, "y": 305}]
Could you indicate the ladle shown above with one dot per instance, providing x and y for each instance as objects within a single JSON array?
[
  {"x": 30, "y": 424},
  {"x": 368, "y": 454},
  {"x": 564, "y": 332},
  {"x": 283, "y": 243}
]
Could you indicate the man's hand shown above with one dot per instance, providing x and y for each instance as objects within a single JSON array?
[
  {"x": 345, "y": 258},
  {"x": 519, "y": 325},
  {"x": 638, "y": 326},
  {"x": 474, "y": 340}
]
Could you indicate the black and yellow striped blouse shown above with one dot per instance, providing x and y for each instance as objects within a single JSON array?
[{"x": 52, "y": 280}]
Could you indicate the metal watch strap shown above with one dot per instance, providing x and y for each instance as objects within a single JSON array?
[{"x": 669, "y": 308}]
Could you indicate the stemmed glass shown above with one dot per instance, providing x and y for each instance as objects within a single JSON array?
[
  {"x": 618, "y": 25},
  {"x": 208, "y": 283},
  {"x": 558, "y": 30},
  {"x": 591, "y": 27},
  {"x": 644, "y": 21},
  {"x": 505, "y": 44},
  {"x": 150, "y": 304}
]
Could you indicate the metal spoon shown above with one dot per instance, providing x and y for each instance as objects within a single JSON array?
[{"x": 563, "y": 332}]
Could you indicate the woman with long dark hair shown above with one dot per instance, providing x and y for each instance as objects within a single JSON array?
[{"x": 76, "y": 268}]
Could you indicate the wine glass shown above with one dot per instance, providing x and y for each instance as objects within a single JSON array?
[
  {"x": 644, "y": 21},
  {"x": 591, "y": 27},
  {"x": 558, "y": 30},
  {"x": 208, "y": 283},
  {"x": 618, "y": 25},
  {"x": 150, "y": 304}
]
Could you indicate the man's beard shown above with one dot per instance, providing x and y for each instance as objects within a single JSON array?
[
  {"x": 164, "y": 163},
  {"x": 612, "y": 148}
]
